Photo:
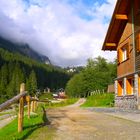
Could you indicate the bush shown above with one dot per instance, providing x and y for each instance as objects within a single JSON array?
[
  {"x": 96, "y": 75},
  {"x": 46, "y": 96}
]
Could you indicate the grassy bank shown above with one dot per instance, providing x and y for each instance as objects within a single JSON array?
[
  {"x": 10, "y": 131},
  {"x": 100, "y": 100}
]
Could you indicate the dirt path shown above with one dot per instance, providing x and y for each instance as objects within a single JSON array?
[
  {"x": 74, "y": 123},
  {"x": 6, "y": 119}
]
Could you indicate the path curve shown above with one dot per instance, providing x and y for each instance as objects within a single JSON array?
[{"x": 78, "y": 103}]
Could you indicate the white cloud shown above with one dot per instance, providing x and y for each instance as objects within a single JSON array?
[{"x": 56, "y": 28}]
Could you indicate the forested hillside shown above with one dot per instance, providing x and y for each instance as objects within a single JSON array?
[
  {"x": 16, "y": 68},
  {"x": 23, "y": 49},
  {"x": 97, "y": 74}
]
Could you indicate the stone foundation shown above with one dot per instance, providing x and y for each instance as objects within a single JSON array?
[{"x": 126, "y": 102}]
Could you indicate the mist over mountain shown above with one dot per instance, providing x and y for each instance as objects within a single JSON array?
[
  {"x": 23, "y": 49},
  {"x": 67, "y": 32}
]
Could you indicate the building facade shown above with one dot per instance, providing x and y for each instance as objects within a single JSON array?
[{"x": 123, "y": 36}]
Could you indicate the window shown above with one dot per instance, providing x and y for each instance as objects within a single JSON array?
[
  {"x": 133, "y": 86},
  {"x": 120, "y": 88},
  {"x": 123, "y": 53},
  {"x": 130, "y": 86}
]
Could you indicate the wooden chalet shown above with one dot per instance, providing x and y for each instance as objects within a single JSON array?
[{"x": 123, "y": 36}]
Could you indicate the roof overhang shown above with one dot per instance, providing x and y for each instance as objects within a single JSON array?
[{"x": 117, "y": 25}]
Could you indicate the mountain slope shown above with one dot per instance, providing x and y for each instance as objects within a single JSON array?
[
  {"x": 16, "y": 69},
  {"x": 23, "y": 49}
]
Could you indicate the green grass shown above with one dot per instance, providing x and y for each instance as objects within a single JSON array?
[
  {"x": 100, "y": 100},
  {"x": 43, "y": 133},
  {"x": 33, "y": 127},
  {"x": 65, "y": 102},
  {"x": 9, "y": 132}
]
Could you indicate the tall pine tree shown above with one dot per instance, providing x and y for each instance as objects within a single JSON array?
[{"x": 31, "y": 83}]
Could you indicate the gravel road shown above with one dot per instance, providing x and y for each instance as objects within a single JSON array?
[{"x": 75, "y": 123}]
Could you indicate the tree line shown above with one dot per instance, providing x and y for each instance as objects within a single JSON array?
[
  {"x": 96, "y": 75},
  {"x": 16, "y": 68}
]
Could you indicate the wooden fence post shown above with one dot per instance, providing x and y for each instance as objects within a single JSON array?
[
  {"x": 28, "y": 105},
  {"x": 32, "y": 106},
  {"x": 21, "y": 109},
  {"x": 36, "y": 101}
]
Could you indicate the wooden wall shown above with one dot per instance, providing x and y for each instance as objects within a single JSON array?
[
  {"x": 126, "y": 67},
  {"x": 137, "y": 31}
]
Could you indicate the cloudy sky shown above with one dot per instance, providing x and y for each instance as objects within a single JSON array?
[{"x": 67, "y": 31}]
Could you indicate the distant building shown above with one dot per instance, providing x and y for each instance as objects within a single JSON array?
[
  {"x": 60, "y": 94},
  {"x": 55, "y": 96},
  {"x": 71, "y": 70},
  {"x": 111, "y": 88}
]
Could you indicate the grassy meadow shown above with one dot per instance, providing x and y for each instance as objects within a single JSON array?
[{"x": 100, "y": 100}]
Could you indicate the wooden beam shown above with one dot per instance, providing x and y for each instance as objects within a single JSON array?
[
  {"x": 11, "y": 101},
  {"x": 110, "y": 44},
  {"x": 121, "y": 17}
]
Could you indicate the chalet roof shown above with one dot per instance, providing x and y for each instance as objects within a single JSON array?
[{"x": 117, "y": 24}]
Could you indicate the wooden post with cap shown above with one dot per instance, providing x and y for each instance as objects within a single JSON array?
[{"x": 21, "y": 109}]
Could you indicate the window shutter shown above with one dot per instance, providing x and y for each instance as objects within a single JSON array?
[
  {"x": 119, "y": 54},
  {"x": 138, "y": 42},
  {"x": 128, "y": 50},
  {"x": 118, "y": 58}
]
